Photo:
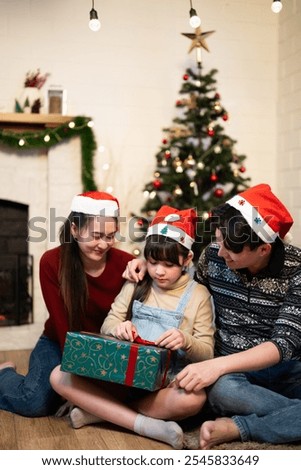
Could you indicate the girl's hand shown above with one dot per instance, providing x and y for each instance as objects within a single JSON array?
[
  {"x": 135, "y": 270},
  {"x": 126, "y": 330},
  {"x": 171, "y": 339}
]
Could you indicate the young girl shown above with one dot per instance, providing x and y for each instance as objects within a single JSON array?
[
  {"x": 167, "y": 307},
  {"x": 79, "y": 280}
]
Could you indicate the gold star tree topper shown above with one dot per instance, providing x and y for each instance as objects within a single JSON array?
[{"x": 198, "y": 40}]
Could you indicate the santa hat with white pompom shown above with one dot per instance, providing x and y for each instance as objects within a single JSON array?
[
  {"x": 265, "y": 214},
  {"x": 96, "y": 203},
  {"x": 180, "y": 225}
]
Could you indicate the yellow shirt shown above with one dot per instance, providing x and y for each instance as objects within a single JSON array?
[{"x": 197, "y": 324}]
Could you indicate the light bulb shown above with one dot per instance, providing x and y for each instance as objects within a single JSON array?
[
  {"x": 276, "y": 6},
  {"x": 194, "y": 20},
  {"x": 94, "y": 23}
]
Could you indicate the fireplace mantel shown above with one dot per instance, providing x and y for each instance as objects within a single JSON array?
[{"x": 23, "y": 121}]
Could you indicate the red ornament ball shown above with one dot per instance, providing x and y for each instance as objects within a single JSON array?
[
  {"x": 178, "y": 103},
  {"x": 157, "y": 184},
  {"x": 218, "y": 192},
  {"x": 242, "y": 169},
  {"x": 217, "y": 96},
  {"x": 164, "y": 141},
  {"x": 186, "y": 77},
  {"x": 213, "y": 177},
  {"x": 225, "y": 117},
  {"x": 210, "y": 132}
]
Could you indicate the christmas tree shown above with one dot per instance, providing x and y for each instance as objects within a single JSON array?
[{"x": 197, "y": 164}]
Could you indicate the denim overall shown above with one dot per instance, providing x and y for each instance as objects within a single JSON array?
[{"x": 151, "y": 322}]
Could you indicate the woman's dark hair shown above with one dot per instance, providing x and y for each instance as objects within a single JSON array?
[
  {"x": 72, "y": 277},
  {"x": 159, "y": 248},
  {"x": 235, "y": 230}
]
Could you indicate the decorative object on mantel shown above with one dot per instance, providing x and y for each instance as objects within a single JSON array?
[
  {"x": 31, "y": 98},
  {"x": 80, "y": 126},
  {"x": 57, "y": 100}
]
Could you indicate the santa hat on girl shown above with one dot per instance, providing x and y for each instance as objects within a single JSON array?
[
  {"x": 180, "y": 225},
  {"x": 96, "y": 203},
  {"x": 265, "y": 214}
]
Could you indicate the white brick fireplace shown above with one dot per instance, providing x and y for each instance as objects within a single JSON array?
[{"x": 45, "y": 180}]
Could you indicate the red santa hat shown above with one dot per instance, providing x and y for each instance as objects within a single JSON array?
[
  {"x": 263, "y": 211},
  {"x": 96, "y": 203},
  {"x": 180, "y": 225}
]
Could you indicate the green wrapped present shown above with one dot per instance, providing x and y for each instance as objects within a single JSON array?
[{"x": 107, "y": 358}]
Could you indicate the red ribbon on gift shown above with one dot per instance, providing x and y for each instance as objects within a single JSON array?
[{"x": 129, "y": 377}]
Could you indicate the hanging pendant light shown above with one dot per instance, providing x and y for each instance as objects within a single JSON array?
[
  {"x": 94, "y": 23},
  {"x": 194, "y": 20},
  {"x": 276, "y": 6}
]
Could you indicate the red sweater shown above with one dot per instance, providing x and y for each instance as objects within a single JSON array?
[{"x": 102, "y": 292}]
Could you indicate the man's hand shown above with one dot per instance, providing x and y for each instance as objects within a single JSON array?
[
  {"x": 171, "y": 339},
  {"x": 196, "y": 376},
  {"x": 135, "y": 270}
]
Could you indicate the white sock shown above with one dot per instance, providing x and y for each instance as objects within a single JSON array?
[
  {"x": 165, "y": 431},
  {"x": 80, "y": 418}
]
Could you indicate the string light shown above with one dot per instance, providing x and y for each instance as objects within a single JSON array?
[{"x": 276, "y": 6}]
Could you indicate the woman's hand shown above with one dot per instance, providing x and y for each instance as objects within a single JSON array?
[
  {"x": 171, "y": 339},
  {"x": 126, "y": 330},
  {"x": 135, "y": 270}
]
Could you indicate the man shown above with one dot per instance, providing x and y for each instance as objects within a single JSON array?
[{"x": 254, "y": 381}]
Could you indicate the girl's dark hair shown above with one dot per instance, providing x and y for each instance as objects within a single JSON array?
[
  {"x": 235, "y": 230},
  {"x": 159, "y": 248},
  {"x": 72, "y": 277}
]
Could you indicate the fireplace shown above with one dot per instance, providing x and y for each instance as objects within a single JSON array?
[
  {"x": 35, "y": 184},
  {"x": 16, "y": 265}
]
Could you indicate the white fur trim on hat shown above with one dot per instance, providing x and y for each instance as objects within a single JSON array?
[
  {"x": 88, "y": 205},
  {"x": 288, "y": 238},
  {"x": 173, "y": 232},
  {"x": 254, "y": 219}
]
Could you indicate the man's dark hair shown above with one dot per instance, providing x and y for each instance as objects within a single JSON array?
[{"x": 235, "y": 230}]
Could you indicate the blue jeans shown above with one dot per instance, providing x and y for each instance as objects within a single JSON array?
[
  {"x": 265, "y": 405},
  {"x": 32, "y": 395}
]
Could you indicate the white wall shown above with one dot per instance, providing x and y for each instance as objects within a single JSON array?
[
  {"x": 127, "y": 77},
  {"x": 289, "y": 112}
]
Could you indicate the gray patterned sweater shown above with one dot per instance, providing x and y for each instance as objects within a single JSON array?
[{"x": 250, "y": 310}]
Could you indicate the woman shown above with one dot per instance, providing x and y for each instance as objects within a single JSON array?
[{"x": 79, "y": 280}]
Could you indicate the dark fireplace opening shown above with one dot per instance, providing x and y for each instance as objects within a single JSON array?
[{"x": 16, "y": 265}]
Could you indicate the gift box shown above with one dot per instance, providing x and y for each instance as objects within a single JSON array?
[{"x": 107, "y": 358}]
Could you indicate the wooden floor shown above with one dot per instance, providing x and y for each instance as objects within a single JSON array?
[{"x": 19, "y": 433}]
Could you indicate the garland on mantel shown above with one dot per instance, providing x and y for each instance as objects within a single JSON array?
[{"x": 80, "y": 126}]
